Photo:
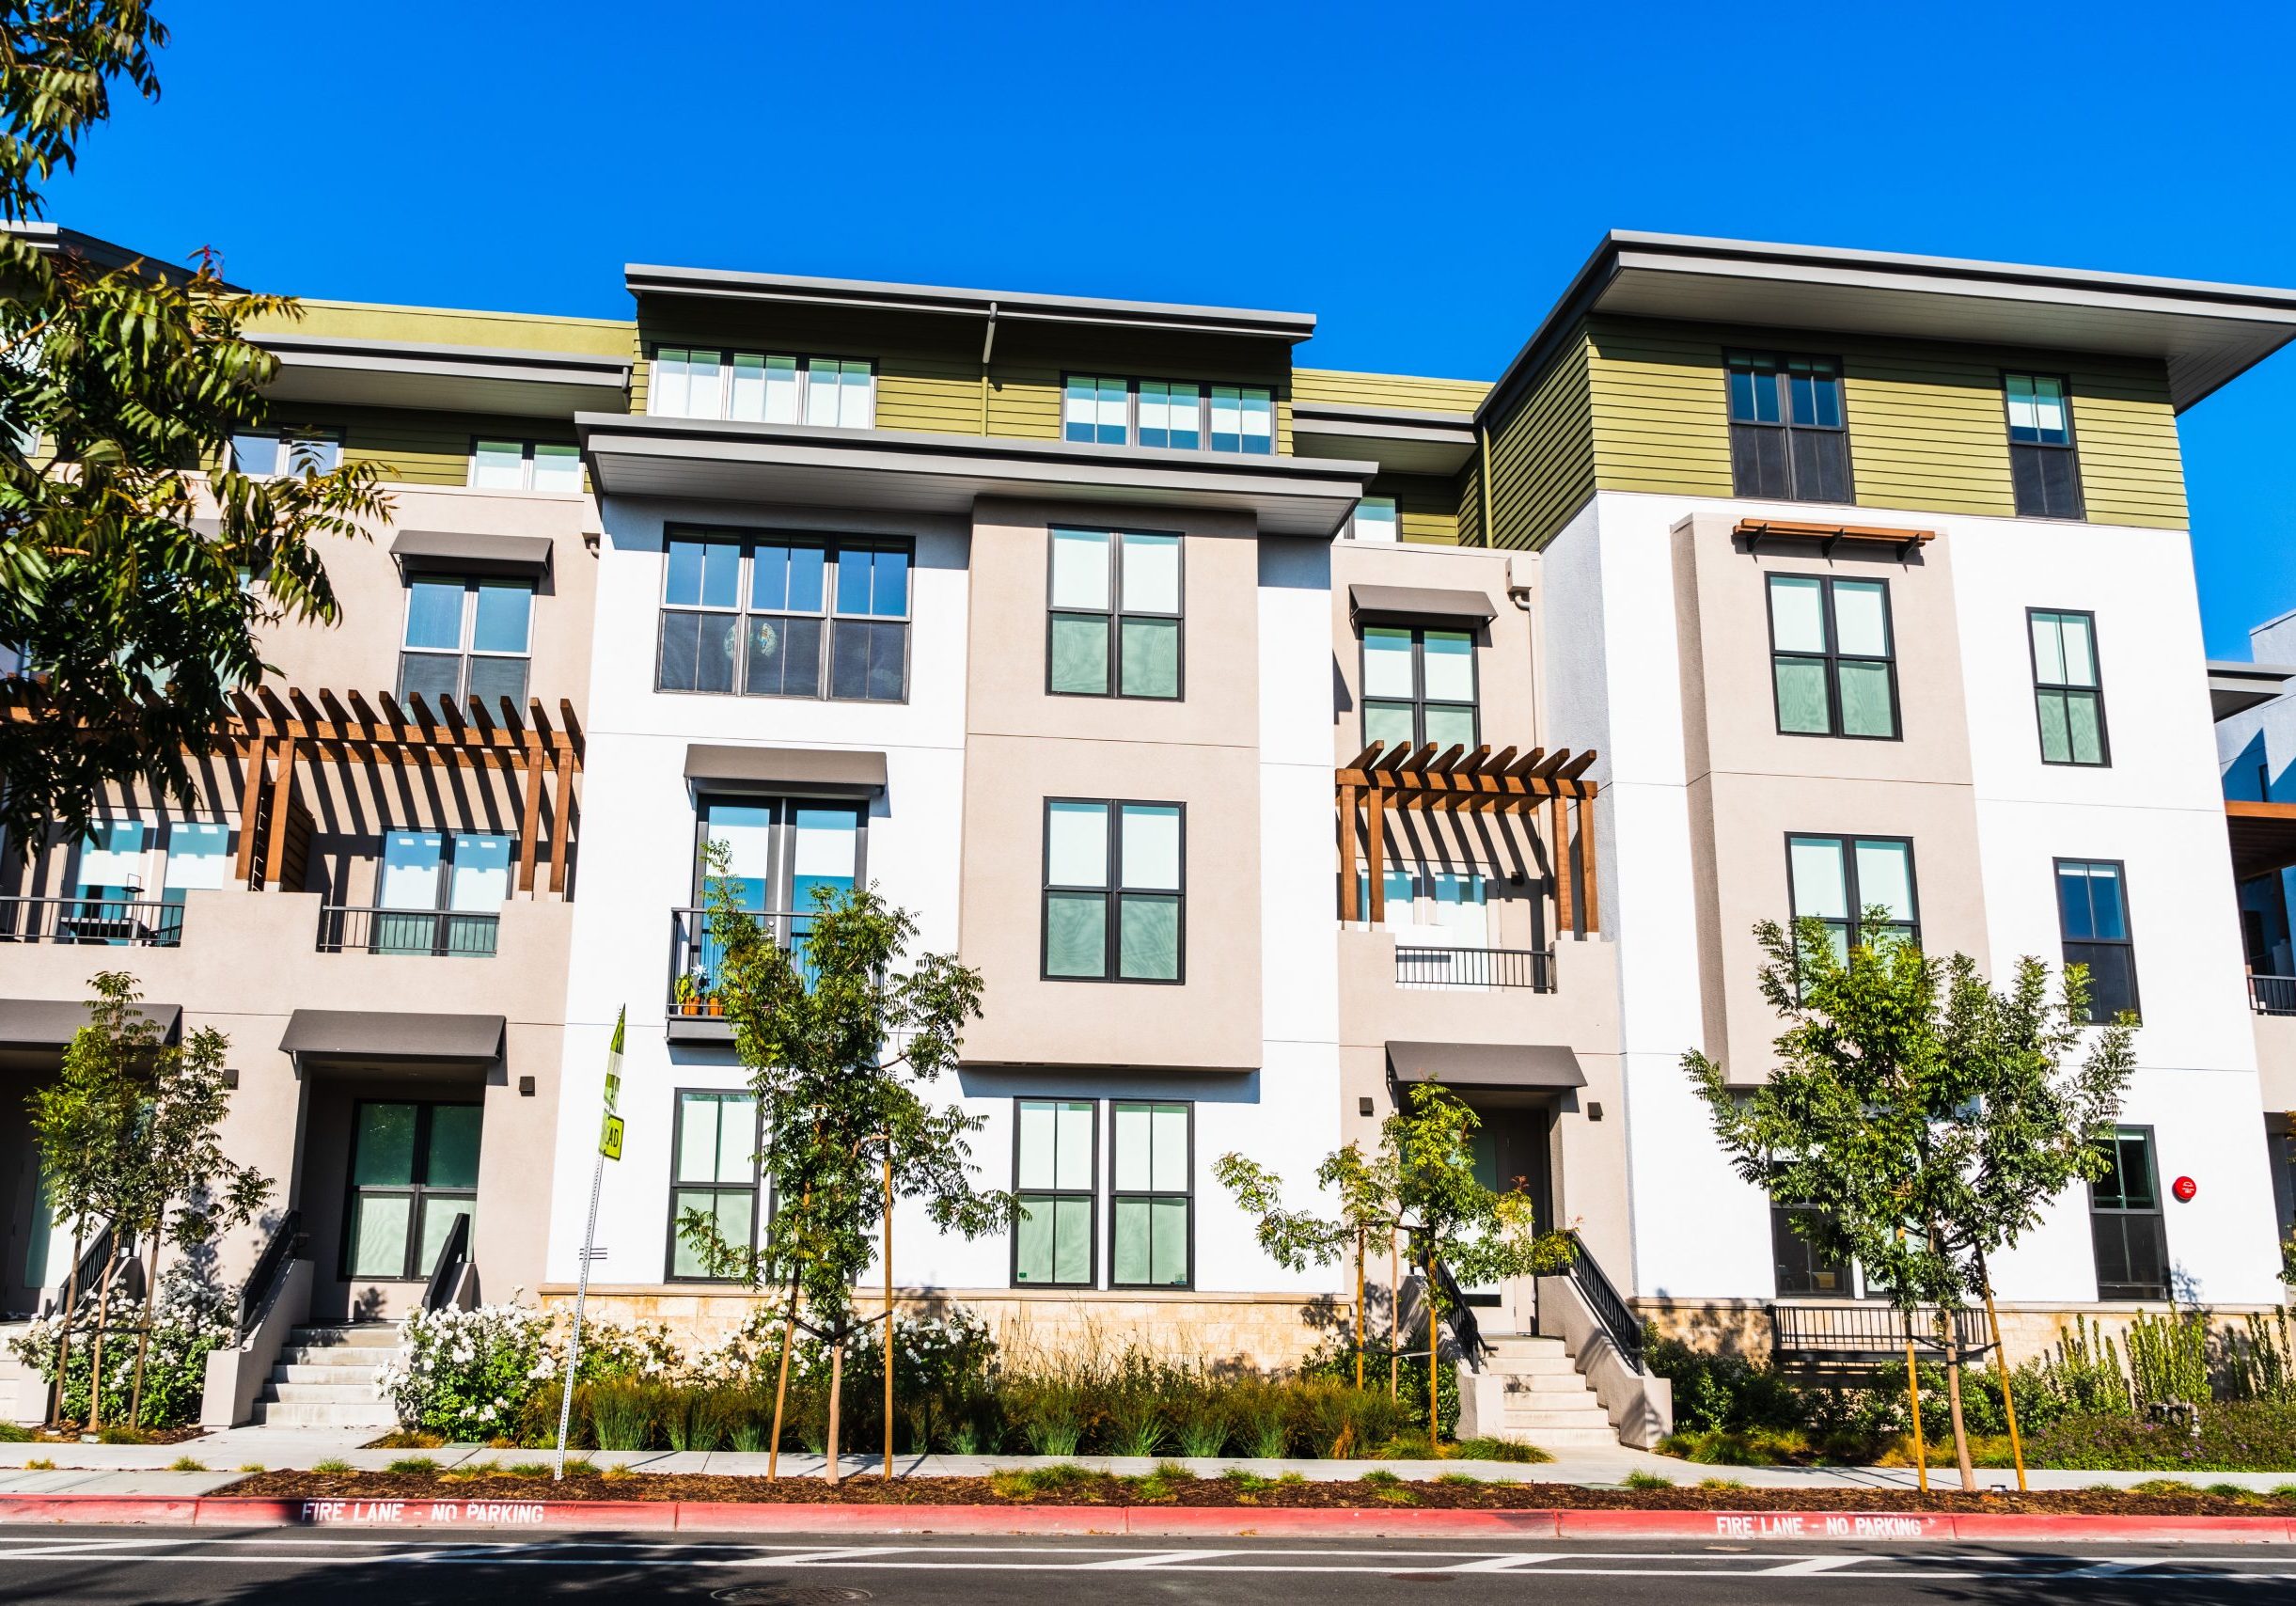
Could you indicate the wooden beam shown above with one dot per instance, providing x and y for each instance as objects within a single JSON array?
[
  {"x": 1558, "y": 858},
  {"x": 531, "y": 815},
  {"x": 562, "y": 821},
  {"x": 1589, "y": 899},
  {"x": 1376, "y": 856},
  {"x": 250, "y": 795},
  {"x": 1350, "y": 910},
  {"x": 274, "y": 849}
]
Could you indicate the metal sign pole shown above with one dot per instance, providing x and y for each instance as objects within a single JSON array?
[{"x": 609, "y": 1147}]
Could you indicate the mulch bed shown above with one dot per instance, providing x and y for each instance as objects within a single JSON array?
[
  {"x": 71, "y": 1435},
  {"x": 1101, "y": 1489}
]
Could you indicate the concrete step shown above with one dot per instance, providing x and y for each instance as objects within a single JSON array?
[
  {"x": 1557, "y": 1365},
  {"x": 1604, "y": 1437},
  {"x": 1547, "y": 1386},
  {"x": 385, "y": 1334},
  {"x": 309, "y": 1372},
  {"x": 1537, "y": 1422},
  {"x": 351, "y": 1393},
  {"x": 335, "y": 1414}
]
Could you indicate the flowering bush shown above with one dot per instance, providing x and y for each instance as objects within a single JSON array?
[
  {"x": 190, "y": 1317},
  {"x": 468, "y": 1374}
]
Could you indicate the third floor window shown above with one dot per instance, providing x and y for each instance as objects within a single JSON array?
[
  {"x": 1178, "y": 414},
  {"x": 1116, "y": 614},
  {"x": 1832, "y": 660},
  {"x": 2043, "y": 465},
  {"x": 1789, "y": 437},
  {"x": 2066, "y": 690},
  {"x": 467, "y": 639},
  {"x": 1840, "y": 880},
  {"x": 786, "y": 616},
  {"x": 759, "y": 387},
  {"x": 525, "y": 465},
  {"x": 287, "y": 451},
  {"x": 1419, "y": 686}
]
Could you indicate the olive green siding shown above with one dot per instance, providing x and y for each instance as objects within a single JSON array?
[
  {"x": 453, "y": 326},
  {"x": 1426, "y": 505},
  {"x": 1410, "y": 391},
  {"x": 1471, "y": 503},
  {"x": 1659, "y": 423},
  {"x": 416, "y": 447},
  {"x": 1543, "y": 454}
]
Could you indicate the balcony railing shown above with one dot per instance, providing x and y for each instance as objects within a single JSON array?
[
  {"x": 119, "y": 922},
  {"x": 1531, "y": 968},
  {"x": 2273, "y": 995},
  {"x": 1875, "y": 1334},
  {"x": 697, "y": 956},
  {"x": 445, "y": 933}
]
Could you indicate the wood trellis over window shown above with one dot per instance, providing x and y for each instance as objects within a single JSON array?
[{"x": 1456, "y": 780}]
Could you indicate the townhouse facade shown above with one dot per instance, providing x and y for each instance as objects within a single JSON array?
[{"x": 1271, "y": 738}]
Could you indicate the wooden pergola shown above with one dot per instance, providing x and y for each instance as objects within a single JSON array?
[{"x": 1456, "y": 782}]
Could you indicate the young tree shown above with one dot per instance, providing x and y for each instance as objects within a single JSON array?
[
  {"x": 1925, "y": 1118},
  {"x": 1421, "y": 1181},
  {"x": 840, "y": 1039},
  {"x": 119, "y": 385}
]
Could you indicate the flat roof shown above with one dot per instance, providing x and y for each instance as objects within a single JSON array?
[{"x": 2205, "y": 333}]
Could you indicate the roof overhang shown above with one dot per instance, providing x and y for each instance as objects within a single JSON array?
[
  {"x": 1400, "y": 440},
  {"x": 2207, "y": 334},
  {"x": 2235, "y": 687},
  {"x": 1486, "y": 1064},
  {"x": 53, "y": 1023},
  {"x": 1003, "y": 305},
  {"x": 914, "y": 471},
  {"x": 393, "y": 1035},
  {"x": 463, "y": 379}
]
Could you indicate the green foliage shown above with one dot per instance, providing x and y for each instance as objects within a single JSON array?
[
  {"x": 2261, "y": 1363},
  {"x": 2252, "y": 1437},
  {"x": 412, "y": 1464},
  {"x": 190, "y": 1317},
  {"x": 1640, "y": 1479},
  {"x": 15, "y": 1433},
  {"x": 2083, "y": 1375},
  {"x": 333, "y": 1466},
  {"x": 1495, "y": 1449},
  {"x": 2169, "y": 1357}
]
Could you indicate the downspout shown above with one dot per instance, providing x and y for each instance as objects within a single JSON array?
[
  {"x": 1483, "y": 480},
  {"x": 988, "y": 345}
]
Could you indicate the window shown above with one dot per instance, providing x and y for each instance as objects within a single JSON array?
[
  {"x": 1113, "y": 906},
  {"x": 526, "y": 466},
  {"x": 760, "y": 388},
  {"x": 2125, "y": 1223},
  {"x": 1802, "y": 1269},
  {"x": 2093, "y": 909},
  {"x": 1114, "y": 629},
  {"x": 1150, "y": 1233},
  {"x": 1376, "y": 520},
  {"x": 1789, "y": 439},
  {"x": 716, "y": 1174},
  {"x": 440, "y": 893},
  {"x": 467, "y": 639},
  {"x": 1102, "y": 410},
  {"x": 778, "y": 852},
  {"x": 198, "y": 858},
  {"x": 2065, "y": 688},
  {"x": 414, "y": 1168},
  {"x": 287, "y": 451},
  {"x": 1419, "y": 686},
  {"x": 2044, "y": 467},
  {"x": 786, "y": 616},
  {"x": 1831, "y": 876},
  {"x": 1055, "y": 1144},
  {"x": 1832, "y": 658}
]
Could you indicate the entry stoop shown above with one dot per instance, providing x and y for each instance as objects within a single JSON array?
[
  {"x": 1538, "y": 1395},
  {"x": 325, "y": 1378}
]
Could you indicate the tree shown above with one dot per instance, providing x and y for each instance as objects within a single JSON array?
[
  {"x": 841, "y": 1040},
  {"x": 1924, "y": 1118},
  {"x": 120, "y": 385},
  {"x": 1421, "y": 1181}
]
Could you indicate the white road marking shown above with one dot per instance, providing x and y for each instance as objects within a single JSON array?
[
  {"x": 1811, "y": 1565},
  {"x": 1505, "y": 1563},
  {"x": 1156, "y": 1559}
]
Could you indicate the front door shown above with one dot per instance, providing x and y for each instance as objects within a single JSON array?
[
  {"x": 1510, "y": 1154},
  {"x": 414, "y": 1168}
]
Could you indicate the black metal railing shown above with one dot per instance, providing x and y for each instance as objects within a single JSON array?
[
  {"x": 1869, "y": 1332},
  {"x": 255, "y": 1294},
  {"x": 118, "y": 922},
  {"x": 88, "y": 1272},
  {"x": 1602, "y": 1297},
  {"x": 445, "y": 933},
  {"x": 446, "y": 1272},
  {"x": 697, "y": 955},
  {"x": 1531, "y": 968},
  {"x": 1464, "y": 1328},
  {"x": 2273, "y": 995}
]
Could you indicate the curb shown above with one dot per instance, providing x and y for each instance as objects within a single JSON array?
[{"x": 1076, "y": 1521}]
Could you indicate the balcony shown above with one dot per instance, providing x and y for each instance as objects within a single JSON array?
[
  {"x": 115, "y": 922},
  {"x": 1474, "y": 967},
  {"x": 2271, "y": 995},
  {"x": 1391, "y": 991},
  {"x": 1859, "y": 1337},
  {"x": 445, "y": 933},
  {"x": 696, "y": 957}
]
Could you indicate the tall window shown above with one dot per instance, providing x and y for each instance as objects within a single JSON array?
[
  {"x": 1116, "y": 615},
  {"x": 1151, "y": 1235},
  {"x": 786, "y": 616},
  {"x": 760, "y": 388},
  {"x": 1053, "y": 1160},
  {"x": 1114, "y": 909},
  {"x": 198, "y": 858},
  {"x": 716, "y": 1174},
  {"x": 2093, "y": 910},
  {"x": 2125, "y": 1223},
  {"x": 776, "y": 853},
  {"x": 525, "y": 465},
  {"x": 1789, "y": 437},
  {"x": 1376, "y": 520},
  {"x": 287, "y": 451},
  {"x": 1838, "y": 879},
  {"x": 414, "y": 1168},
  {"x": 1105, "y": 410},
  {"x": 2065, "y": 689},
  {"x": 1802, "y": 1269},
  {"x": 439, "y": 893},
  {"x": 2044, "y": 466},
  {"x": 1832, "y": 656},
  {"x": 467, "y": 639},
  {"x": 1419, "y": 686}
]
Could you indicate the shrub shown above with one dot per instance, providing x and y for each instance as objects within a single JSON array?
[
  {"x": 190, "y": 1317},
  {"x": 468, "y": 1374},
  {"x": 2236, "y": 1437},
  {"x": 2168, "y": 1356},
  {"x": 620, "y": 1415}
]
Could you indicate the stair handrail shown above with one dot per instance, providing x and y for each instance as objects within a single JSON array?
[
  {"x": 284, "y": 1245},
  {"x": 88, "y": 1272},
  {"x": 1464, "y": 1328},
  {"x": 446, "y": 1272},
  {"x": 1603, "y": 1299}
]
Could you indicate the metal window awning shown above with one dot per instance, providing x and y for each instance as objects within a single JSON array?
[
  {"x": 438, "y": 551},
  {"x": 52, "y": 1023},
  {"x": 1486, "y": 1064},
  {"x": 393, "y": 1035},
  {"x": 825, "y": 772},
  {"x": 1419, "y": 605}
]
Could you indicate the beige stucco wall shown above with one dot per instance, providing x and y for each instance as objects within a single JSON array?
[
  {"x": 2276, "y": 1062},
  {"x": 1506, "y": 656}
]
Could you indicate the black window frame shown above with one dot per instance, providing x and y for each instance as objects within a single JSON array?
[
  {"x": 419, "y": 1193},
  {"x": 1855, "y": 922},
  {"x": 466, "y": 651},
  {"x": 1089, "y": 1193},
  {"x": 2068, "y": 690},
  {"x": 1118, "y": 1196},
  {"x": 755, "y": 1187},
  {"x": 1116, "y": 614},
  {"x": 2125, "y": 943},
  {"x": 1114, "y": 892},
  {"x": 2109, "y": 1222},
  {"x": 1784, "y": 1242},
  {"x": 1420, "y": 700},
  {"x": 1205, "y": 387},
  {"x": 1834, "y": 657},
  {"x": 744, "y": 613},
  {"x": 1795, "y": 441},
  {"x": 2033, "y": 462}
]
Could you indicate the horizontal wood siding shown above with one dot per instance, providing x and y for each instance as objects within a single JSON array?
[
  {"x": 1656, "y": 392},
  {"x": 419, "y": 448},
  {"x": 1471, "y": 503},
  {"x": 1426, "y": 505},
  {"x": 452, "y": 326},
  {"x": 1542, "y": 454},
  {"x": 1346, "y": 390},
  {"x": 2131, "y": 467},
  {"x": 1928, "y": 430}
]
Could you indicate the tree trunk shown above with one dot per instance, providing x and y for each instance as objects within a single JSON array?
[
  {"x": 2001, "y": 1364},
  {"x": 1358, "y": 1309},
  {"x": 1435, "y": 1349},
  {"x": 837, "y": 1382},
  {"x": 781, "y": 1391},
  {"x": 1394, "y": 1318},
  {"x": 143, "y": 1336},
  {"x": 889, "y": 1316},
  {"x": 1953, "y": 1400},
  {"x": 103, "y": 1316},
  {"x": 63, "y": 1343}
]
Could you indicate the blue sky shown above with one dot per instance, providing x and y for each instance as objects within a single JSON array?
[{"x": 1425, "y": 178}]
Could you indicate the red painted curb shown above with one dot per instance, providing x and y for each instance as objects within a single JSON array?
[
  {"x": 1833, "y": 1525},
  {"x": 1061, "y": 1521},
  {"x": 1188, "y": 1521},
  {"x": 616, "y": 1515},
  {"x": 150, "y": 1508},
  {"x": 2212, "y": 1530}
]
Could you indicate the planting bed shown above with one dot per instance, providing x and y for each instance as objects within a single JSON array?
[{"x": 1044, "y": 1486}]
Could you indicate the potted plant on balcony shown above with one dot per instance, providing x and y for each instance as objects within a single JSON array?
[{"x": 689, "y": 992}]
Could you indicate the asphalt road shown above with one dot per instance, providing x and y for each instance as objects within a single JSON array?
[{"x": 115, "y": 1567}]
